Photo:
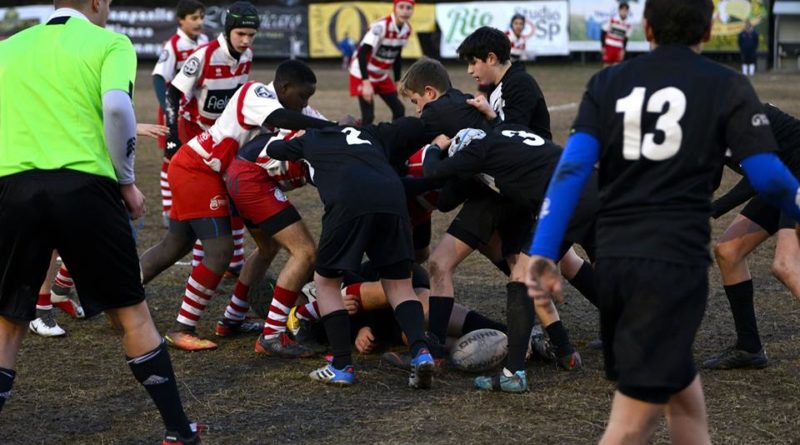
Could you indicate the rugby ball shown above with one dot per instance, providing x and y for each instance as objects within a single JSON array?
[{"x": 479, "y": 350}]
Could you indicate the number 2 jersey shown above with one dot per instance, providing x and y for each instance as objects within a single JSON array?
[{"x": 665, "y": 121}]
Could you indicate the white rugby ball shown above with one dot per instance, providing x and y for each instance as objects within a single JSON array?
[{"x": 479, "y": 350}]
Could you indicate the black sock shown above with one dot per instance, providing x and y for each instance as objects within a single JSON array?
[
  {"x": 584, "y": 282},
  {"x": 475, "y": 321},
  {"x": 439, "y": 310},
  {"x": 411, "y": 317},
  {"x": 154, "y": 371},
  {"x": 520, "y": 315},
  {"x": 6, "y": 382},
  {"x": 740, "y": 297},
  {"x": 504, "y": 267},
  {"x": 560, "y": 339},
  {"x": 337, "y": 328}
]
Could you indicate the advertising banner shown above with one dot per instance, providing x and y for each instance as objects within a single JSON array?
[
  {"x": 729, "y": 19},
  {"x": 587, "y": 17},
  {"x": 283, "y": 32},
  {"x": 332, "y": 23},
  {"x": 545, "y": 27}
]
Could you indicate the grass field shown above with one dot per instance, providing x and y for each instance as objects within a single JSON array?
[{"x": 78, "y": 389}]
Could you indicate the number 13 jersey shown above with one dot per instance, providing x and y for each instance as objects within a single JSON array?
[{"x": 665, "y": 121}]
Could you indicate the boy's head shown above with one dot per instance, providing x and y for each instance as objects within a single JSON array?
[
  {"x": 294, "y": 84},
  {"x": 403, "y": 9},
  {"x": 623, "y": 10},
  {"x": 96, "y": 11},
  {"x": 518, "y": 24},
  {"x": 424, "y": 82},
  {"x": 678, "y": 22},
  {"x": 190, "y": 14},
  {"x": 486, "y": 51},
  {"x": 241, "y": 25}
]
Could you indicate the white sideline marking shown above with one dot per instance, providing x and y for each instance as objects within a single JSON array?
[
  {"x": 183, "y": 263},
  {"x": 569, "y": 106}
]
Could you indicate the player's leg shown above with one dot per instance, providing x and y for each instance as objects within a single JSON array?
[
  {"x": 177, "y": 242},
  {"x": 166, "y": 193},
  {"x": 444, "y": 259},
  {"x": 395, "y": 105},
  {"x": 747, "y": 231},
  {"x": 45, "y": 323},
  {"x": 686, "y": 416},
  {"x": 367, "y": 110},
  {"x": 631, "y": 421},
  {"x": 62, "y": 296},
  {"x": 237, "y": 258},
  {"x": 12, "y": 332},
  {"x": 786, "y": 264}
]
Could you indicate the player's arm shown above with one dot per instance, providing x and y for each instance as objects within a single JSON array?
[
  {"x": 172, "y": 103},
  {"x": 774, "y": 182},
  {"x": 737, "y": 195},
  {"x": 291, "y": 150},
  {"x": 463, "y": 164},
  {"x": 294, "y": 120},
  {"x": 160, "y": 88},
  {"x": 163, "y": 72}
]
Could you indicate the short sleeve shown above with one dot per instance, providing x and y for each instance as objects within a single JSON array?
[
  {"x": 119, "y": 67},
  {"x": 165, "y": 67},
  {"x": 190, "y": 73},
  {"x": 258, "y": 104},
  {"x": 588, "y": 119},
  {"x": 747, "y": 127},
  {"x": 374, "y": 36}
]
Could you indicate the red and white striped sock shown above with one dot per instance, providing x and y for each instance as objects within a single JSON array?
[
  {"x": 166, "y": 192},
  {"x": 197, "y": 253},
  {"x": 238, "y": 306},
  {"x": 282, "y": 302},
  {"x": 199, "y": 290},
  {"x": 44, "y": 303},
  {"x": 237, "y": 228},
  {"x": 64, "y": 279},
  {"x": 308, "y": 311}
]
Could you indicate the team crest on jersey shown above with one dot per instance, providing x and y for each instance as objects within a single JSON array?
[
  {"x": 280, "y": 196},
  {"x": 760, "y": 120},
  {"x": 163, "y": 56},
  {"x": 262, "y": 91},
  {"x": 217, "y": 202},
  {"x": 191, "y": 66}
]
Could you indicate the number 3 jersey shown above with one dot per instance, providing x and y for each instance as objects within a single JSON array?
[{"x": 665, "y": 121}]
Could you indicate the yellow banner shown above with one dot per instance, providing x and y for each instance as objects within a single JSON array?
[
  {"x": 729, "y": 18},
  {"x": 330, "y": 23}
]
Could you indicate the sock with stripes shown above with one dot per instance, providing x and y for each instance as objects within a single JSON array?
[
  {"x": 64, "y": 279},
  {"x": 282, "y": 302},
  {"x": 308, "y": 311},
  {"x": 199, "y": 289},
  {"x": 238, "y": 305},
  {"x": 197, "y": 253},
  {"x": 237, "y": 229},
  {"x": 166, "y": 192}
]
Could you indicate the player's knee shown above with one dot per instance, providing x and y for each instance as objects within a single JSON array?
[
  {"x": 438, "y": 267},
  {"x": 218, "y": 257},
  {"x": 727, "y": 252},
  {"x": 783, "y": 269}
]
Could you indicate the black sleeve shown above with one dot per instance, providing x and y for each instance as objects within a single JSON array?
[
  {"x": 160, "y": 88},
  {"x": 588, "y": 118},
  {"x": 401, "y": 138},
  {"x": 398, "y": 65},
  {"x": 363, "y": 55},
  {"x": 525, "y": 105},
  {"x": 291, "y": 150},
  {"x": 464, "y": 164},
  {"x": 747, "y": 129},
  {"x": 294, "y": 120},
  {"x": 738, "y": 194},
  {"x": 172, "y": 103}
]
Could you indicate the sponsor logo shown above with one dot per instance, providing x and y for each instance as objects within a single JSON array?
[
  {"x": 759, "y": 120},
  {"x": 217, "y": 202},
  {"x": 279, "y": 195},
  {"x": 478, "y": 338},
  {"x": 545, "y": 208},
  {"x": 218, "y": 99},
  {"x": 155, "y": 380},
  {"x": 191, "y": 66}
]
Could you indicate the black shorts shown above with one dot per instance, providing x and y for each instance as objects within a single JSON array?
[
  {"x": 650, "y": 311},
  {"x": 481, "y": 216},
  {"x": 422, "y": 235},
  {"x": 419, "y": 276},
  {"x": 83, "y": 217},
  {"x": 767, "y": 216},
  {"x": 384, "y": 237}
]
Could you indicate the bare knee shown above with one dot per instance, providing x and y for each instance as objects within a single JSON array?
[
  {"x": 727, "y": 253},
  {"x": 782, "y": 269}
]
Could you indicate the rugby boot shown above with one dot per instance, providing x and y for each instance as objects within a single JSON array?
[
  {"x": 422, "y": 369},
  {"x": 570, "y": 362},
  {"x": 188, "y": 340},
  {"x": 540, "y": 345},
  {"x": 229, "y": 328},
  {"x": 507, "y": 381},
  {"x": 308, "y": 335},
  {"x": 45, "y": 324},
  {"x": 332, "y": 376},
  {"x": 282, "y": 346},
  {"x": 174, "y": 438},
  {"x": 733, "y": 358}
]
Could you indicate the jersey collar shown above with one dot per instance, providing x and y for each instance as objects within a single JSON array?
[
  {"x": 67, "y": 12},
  {"x": 185, "y": 36},
  {"x": 223, "y": 46}
]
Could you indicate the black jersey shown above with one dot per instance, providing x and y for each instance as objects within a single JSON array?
[
  {"x": 664, "y": 121},
  {"x": 511, "y": 160},
  {"x": 351, "y": 167},
  {"x": 450, "y": 113},
  {"x": 786, "y": 129},
  {"x": 517, "y": 99}
]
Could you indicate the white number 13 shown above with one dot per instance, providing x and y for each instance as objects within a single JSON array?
[{"x": 634, "y": 146}]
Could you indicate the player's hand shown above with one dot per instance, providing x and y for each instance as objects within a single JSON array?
[
  {"x": 173, "y": 145},
  {"x": 152, "y": 130},
  {"x": 443, "y": 142},
  {"x": 350, "y": 121},
  {"x": 352, "y": 303},
  {"x": 134, "y": 200},
  {"x": 482, "y": 104},
  {"x": 367, "y": 92},
  {"x": 544, "y": 279},
  {"x": 365, "y": 340}
]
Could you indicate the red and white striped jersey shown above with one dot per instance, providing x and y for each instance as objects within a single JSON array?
[
  {"x": 176, "y": 50},
  {"x": 239, "y": 122},
  {"x": 517, "y": 46},
  {"x": 428, "y": 199},
  {"x": 288, "y": 174},
  {"x": 386, "y": 40},
  {"x": 617, "y": 30},
  {"x": 208, "y": 79}
]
